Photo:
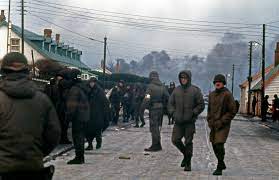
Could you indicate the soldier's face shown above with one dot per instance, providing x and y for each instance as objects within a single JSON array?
[
  {"x": 219, "y": 85},
  {"x": 58, "y": 79},
  {"x": 92, "y": 84},
  {"x": 183, "y": 80}
]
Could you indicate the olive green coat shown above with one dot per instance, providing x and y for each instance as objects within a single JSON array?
[{"x": 29, "y": 126}]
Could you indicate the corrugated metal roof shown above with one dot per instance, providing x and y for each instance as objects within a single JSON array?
[
  {"x": 257, "y": 75},
  {"x": 30, "y": 36},
  {"x": 268, "y": 76}
]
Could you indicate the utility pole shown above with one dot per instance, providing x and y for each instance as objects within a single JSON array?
[
  {"x": 250, "y": 77},
  {"x": 104, "y": 62},
  {"x": 263, "y": 74},
  {"x": 232, "y": 79},
  {"x": 22, "y": 26},
  {"x": 33, "y": 64},
  {"x": 9, "y": 28}
]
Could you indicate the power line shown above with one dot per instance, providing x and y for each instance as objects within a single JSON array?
[
  {"x": 143, "y": 45},
  {"x": 79, "y": 34},
  {"x": 159, "y": 27},
  {"x": 273, "y": 26},
  {"x": 272, "y": 22},
  {"x": 142, "y": 29},
  {"x": 129, "y": 22},
  {"x": 181, "y": 52},
  {"x": 110, "y": 58},
  {"x": 152, "y": 17},
  {"x": 136, "y": 19}
]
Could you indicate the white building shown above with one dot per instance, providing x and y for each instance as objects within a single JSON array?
[
  {"x": 43, "y": 46},
  {"x": 271, "y": 86},
  {"x": 256, "y": 78}
]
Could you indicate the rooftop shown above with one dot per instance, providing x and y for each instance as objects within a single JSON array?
[
  {"x": 257, "y": 75},
  {"x": 268, "y": 78},
  {"x": 31, "y": 38}
]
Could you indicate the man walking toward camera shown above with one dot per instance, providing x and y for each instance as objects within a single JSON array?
[
  {"x": 185, "y": 104},
  {"x": 221, "y": 110}
]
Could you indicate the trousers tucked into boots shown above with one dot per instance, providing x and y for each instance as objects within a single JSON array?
[
  {"x": 78, "y": 138},
  {"x": 155, "y": 117},
  {"x": 187, "y": 132},
  {"x": 219, "y": 150}
]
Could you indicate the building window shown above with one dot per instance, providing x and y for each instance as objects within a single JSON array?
[{"x": 15, "y": 45}]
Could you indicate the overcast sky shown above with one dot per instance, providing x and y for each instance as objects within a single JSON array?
[{"x": 132, "y": 43}]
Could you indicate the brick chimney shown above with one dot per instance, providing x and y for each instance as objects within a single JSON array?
[
  {"x": 57, "y": 38},
  {"x": 47, "y": 33},
  {"x": 276, "y": 62},
  {"x": 2, "y": 16}
]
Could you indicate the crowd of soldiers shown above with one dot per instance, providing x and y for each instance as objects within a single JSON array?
[
  {"x": 33, "y": 123},
  {"x": 129, "y": 99}
]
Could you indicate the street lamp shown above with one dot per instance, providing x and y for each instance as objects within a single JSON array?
[
  {"x": 251, "y": 43},
  {"x": 228, "y": 76}
]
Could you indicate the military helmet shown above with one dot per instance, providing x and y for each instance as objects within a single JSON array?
[
  {"x": 14, "y": 61},
  {"x": 75, "y": 73},
  {"x": 93, "y": 79},
  {"x": 65, "y": 73}
]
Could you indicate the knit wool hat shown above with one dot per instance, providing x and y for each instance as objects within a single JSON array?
[{"x": 14, "y": 61}]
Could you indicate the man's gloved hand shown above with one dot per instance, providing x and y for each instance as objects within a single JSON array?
[{"x": 218, "y": 125}]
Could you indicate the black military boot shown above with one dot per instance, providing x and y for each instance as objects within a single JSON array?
[
  {"x": 219, "y": 151},
  {"x": 77, "y": 160},
  {"x": 99, "y": 145},
  {"x": 89, "y": 147},
  {"x": 142, "y": 125},
  {"x": 218, "y": 172},
  {"x": 188, "y": 164},
  {"x": 183, "y": 163},
  {"x": 154, "y": 148},
  {"x": 136, "y": 126},
  {"x": 222, "y": 165}
]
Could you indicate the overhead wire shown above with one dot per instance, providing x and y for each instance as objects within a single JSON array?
[
  {"x": 152, "y": 17},
  {"x": 67, "y": 29},
  {"x": 138, "y": 19},
  {"x": 143, "y": 25},
  {"x": 132, "y": 15}
]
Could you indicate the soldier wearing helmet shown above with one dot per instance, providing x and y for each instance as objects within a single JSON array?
[{"x": 154, "y": 98}]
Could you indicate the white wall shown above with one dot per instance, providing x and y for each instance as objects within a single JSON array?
[
  {"x": 3, "y": 41},
  {"x": 272, "y": 88},
  {"x": 27, "y": 47},
  {"x": 244, "y": 96}
]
